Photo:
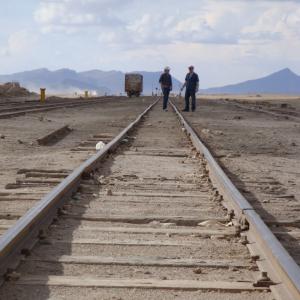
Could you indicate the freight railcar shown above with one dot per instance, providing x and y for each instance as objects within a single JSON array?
[{"x": 133, "y": 84}]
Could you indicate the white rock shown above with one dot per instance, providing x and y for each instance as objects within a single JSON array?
[
  {"x": 231, "y": 155},
  {"x": 100, "y": 145},
  {"x": 154, "y": 223},
  {"x": 210, "y": 223},
  {"x": 229, "y": 224},
  {"x": 168, "y": 224},
  {"x": 217, "y": 237},
  {"x": 219, "y": 132},
  {"x": 205, "y": 131}
]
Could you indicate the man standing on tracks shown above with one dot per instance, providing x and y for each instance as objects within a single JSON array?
[
  {"x": 165, "y": 81},
  {"x": 192, "y": 86}
]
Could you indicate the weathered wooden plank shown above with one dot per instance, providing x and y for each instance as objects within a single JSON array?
[
  {"x": 84, "y": 148},
  {"x": 54, "y": 136},
  {"x": 83, "y": 281},
  {"x": 24, "y": 171},
  {"x": 160, "y": 184},
  {"x": 24, "y": 185},
  {"x": 158, "y": 195},
  {"x": 172, "y": 149},
  {"x": 162, "y": 231},
  {"x": 286, "y": 234},
  {"x": 159, "y": 154},
  {"x": 10, "y": 216},
  {"x": 38, "y": 181},
  {"x": 179, "y": 220},
  {"x": 131, "y": 242},
  {"x": 103, "y": 136},
  {"x": 45, "y": 175},
  {"x": 4, "y": 227},
  {"x": 282, "y": 222},
  {"x": 143, "y": 261},
  {"x": 158, "y": 151},
  {"x": 11, "y": 199},
  {"x": 129, "y": 201},
  {"x": 112, "y": 208}
]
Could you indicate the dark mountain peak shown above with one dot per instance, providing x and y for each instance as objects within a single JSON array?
[
  {"x": 285, "y": 72},
  {"x": 91, "y": 71},
  {"x": 40, "y": 70},
  {"x": 96, "y": 72},
  {"x": 113, "y": 72},
  {"x": 65, "y": 71},
  {"x": 148, "y": 72},
  {"x": 36, "y": 71},
  {"x": 283, "y": 81}
]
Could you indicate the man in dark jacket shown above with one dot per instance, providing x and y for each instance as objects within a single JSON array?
[
  {"x": 192, "y": 86},
  {"x": 165, "y": 81}
]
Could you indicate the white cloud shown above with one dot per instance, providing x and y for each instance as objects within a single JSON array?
[
  {"x": 219, "y": 22},
  {"x": 19, "y": 43},
  {"x": 228, "y": 40},
  {"x": 278, "y": 22},
  {"x": 71, "y": 16}
]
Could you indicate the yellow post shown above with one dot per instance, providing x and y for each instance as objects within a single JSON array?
[
  {"x": 86, "y": 94},
  {"x": 43, "y": 95}
]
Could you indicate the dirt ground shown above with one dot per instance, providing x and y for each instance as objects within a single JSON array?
[
  {"x": 259, "y": 151},
  {"x": 18, "y": 142},
  {"x": 156, "y": 160}
]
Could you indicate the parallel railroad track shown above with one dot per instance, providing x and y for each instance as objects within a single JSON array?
[
  {"x": 275, "y": 112},
  {"x": 20, "y": 109},
  {"x": 151, "y": 215}
]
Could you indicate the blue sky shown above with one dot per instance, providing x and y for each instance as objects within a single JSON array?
[{"x": 227, "y": 40}]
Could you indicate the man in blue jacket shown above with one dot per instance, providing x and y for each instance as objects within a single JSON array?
[
  {"x": 192, "y": 86},
  {"x": 165, "y": 81}
]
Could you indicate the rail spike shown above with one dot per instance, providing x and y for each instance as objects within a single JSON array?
[{"x": 263, "y": 280}]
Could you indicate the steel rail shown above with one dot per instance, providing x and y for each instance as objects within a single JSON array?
[
  {"x": 17, "y": 106},
  {"x": 284, "y": 266},
  {"x": 46, "y": 107},
  {"x": 24, "y": 234}
]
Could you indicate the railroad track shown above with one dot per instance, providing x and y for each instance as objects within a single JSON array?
[
  {"x": 151, "y": 215},
  {"x": 275, "y": 112},
  {"x": 35, "y": 107}
]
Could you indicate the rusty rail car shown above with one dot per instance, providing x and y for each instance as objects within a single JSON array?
[{"x": 133, "y": 84}]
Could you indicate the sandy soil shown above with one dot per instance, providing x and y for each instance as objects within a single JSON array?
[
  {"x": 133, "y": 168},
  {"x": 19, "y": 148}
]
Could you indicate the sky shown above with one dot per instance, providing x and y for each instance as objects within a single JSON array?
[{"x": 227, "y": 41}]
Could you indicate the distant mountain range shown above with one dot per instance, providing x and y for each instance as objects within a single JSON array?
[
  {"x": 66, "y": 81},
  {"x": 282, "y": 82}
]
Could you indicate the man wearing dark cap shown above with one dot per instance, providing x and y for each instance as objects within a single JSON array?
[
  {"x": 192, "y": 86},
  {"x": 165, "y": 81}
]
